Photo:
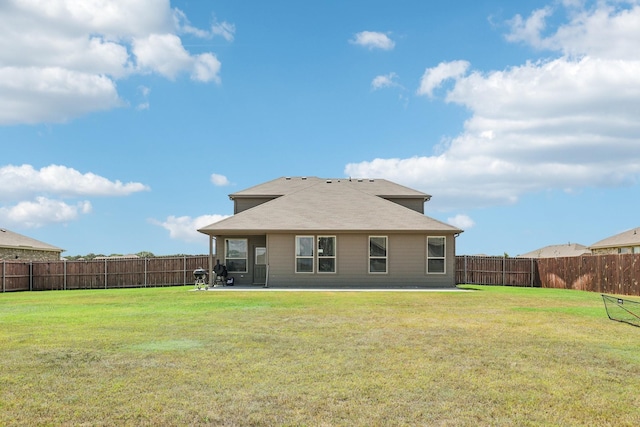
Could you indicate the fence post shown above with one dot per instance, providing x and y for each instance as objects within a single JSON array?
[
  {"x": 145, "y": 271},
  {"x": 64, "y": 276},
  {"x": 504, "y": 268},
  {"x": 184, "y": 270},
  {"x": 106, "y": 278},
  {"x": 30, "y": 275},
  {"x": 466, "y": 280},
  {"x": 4, "y": 269},
  {"x": 533, "y": 272}
]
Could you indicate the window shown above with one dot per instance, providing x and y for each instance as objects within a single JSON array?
[
  {"x": 377, "y": 254},
  {"x": 435, "y": 254},
  {"x": 326, "y": 254},
  {"x": 235, "y": 255},
  {"x": 304, "y": 254}
]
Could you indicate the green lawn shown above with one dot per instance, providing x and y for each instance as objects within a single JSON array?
[{"x": 170, "y": 356}]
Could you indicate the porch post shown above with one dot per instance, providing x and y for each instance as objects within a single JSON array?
[{"x": 210, "y": 260}]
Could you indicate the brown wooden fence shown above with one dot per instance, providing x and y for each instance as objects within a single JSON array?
[
  {"x": 607, "y": 274},
  {"x": 615, "y": 274},
  {"x": 496, "y": 271},
  {"x": 99, "y": 274}
]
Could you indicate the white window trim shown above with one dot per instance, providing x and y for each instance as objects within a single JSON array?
[
  {"x": 444, "y": 258},
  {"x": 312, "y": 257},
  {"x": 334, "y": 256},
  {"x": 246, "y": 259},
  {"x": 386, "y": 257}
]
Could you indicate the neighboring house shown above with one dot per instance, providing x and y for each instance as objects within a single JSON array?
[
  {"x": 334, "y": 232},
  {"x": 14, "y": 246},
  {"x": 557, "y": 251},
  {"x": 624, "y": 243},
  {"x": 129, "y": 256}
]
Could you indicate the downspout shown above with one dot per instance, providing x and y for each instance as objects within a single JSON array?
[{"x": 266, "y": 279}]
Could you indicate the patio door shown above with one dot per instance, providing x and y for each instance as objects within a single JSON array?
[{"x": 260, "y": 267}]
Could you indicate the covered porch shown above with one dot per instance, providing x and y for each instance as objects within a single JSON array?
[{"x": 244, "y": 256}]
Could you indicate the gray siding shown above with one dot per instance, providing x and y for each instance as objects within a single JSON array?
[
  {"x": 253, "y": 242},
  {"x": 406, "y": 265},
  {"x": 242, "y": 204},
  {"x": 413, "y": 204}
]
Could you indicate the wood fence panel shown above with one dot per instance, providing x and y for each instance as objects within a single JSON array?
[
  {"x": 607, "y": 274},
  {"x": 48, "y": 276},
  {"x": 85, "y": 274},
  {"x": 125, "y": 273},
  {"x": 495, "y": 271},
  {"x": 15, "y": 276}
]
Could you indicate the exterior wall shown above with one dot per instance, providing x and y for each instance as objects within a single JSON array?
[
  {"x": 252, "y": 243},
  {"x": 242, "y": 204},
  {"x": 12, "y": 254},
  {"x": 406, "y": 263},
  {"x": 413, "y": 204},
  {"x": 616, "y": 250}
]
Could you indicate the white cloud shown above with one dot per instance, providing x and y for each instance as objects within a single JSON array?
[
  {"x": 161, "y": 53},
  {"x": 185, "y": 228},
  {"x": 61, "y": 59},
  {"x": 609, "y": 30},
  {"x": 39, "y": 193},
  {"x": 33, "y": 95},
  {"x": 529, "y": 30},
  {"x": 20, "y": 182},
  {"x": 565, "y": 123},
  {"x": 373, "y": 40},
  {"x": 434, "y": 77},
  {"x": 42, "y": 211},
  {"x": 219, "y": 180},
  {"x": 463, "y": 222},
  {"x": 224, "y": 29},
  {"x": 384, "y": 81},
  {"x": 206, "y": 68}
]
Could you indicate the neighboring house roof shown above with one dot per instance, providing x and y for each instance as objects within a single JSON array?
[
  {"x": 9, "y": 239},
  {"x": 556, "y": 251},
  {"x": 129, "y": 256},
  {"x": 335, "y": 205},
  {"x": 626, "y": 238}
]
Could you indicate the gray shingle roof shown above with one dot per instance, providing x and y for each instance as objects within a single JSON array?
[
  {"x": 287, "y": 185},
  {"x": 328, "y": 205},
  {"x": 9, "y": 239},
  {"x": 626, "y": 238}
]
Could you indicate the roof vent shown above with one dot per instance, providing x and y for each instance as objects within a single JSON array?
[
  {"x": 371, "y": 180},
  {"x": 288, "y": 178},
  {"x": 328, "y": 181},
  {"x": 304, "y": 178}
]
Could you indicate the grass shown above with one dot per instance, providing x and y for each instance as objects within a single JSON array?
[{"x": 168, "y": 356}]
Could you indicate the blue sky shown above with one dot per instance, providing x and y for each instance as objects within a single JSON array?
[{"x": 125, "y": 125}]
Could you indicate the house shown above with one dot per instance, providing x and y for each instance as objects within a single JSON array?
[
  {"x": 557, "y": 251},
  {"x": 14, "y": 246},
  {"x": 308, "y": 231},
  {"x": 626, "y": 242}
]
